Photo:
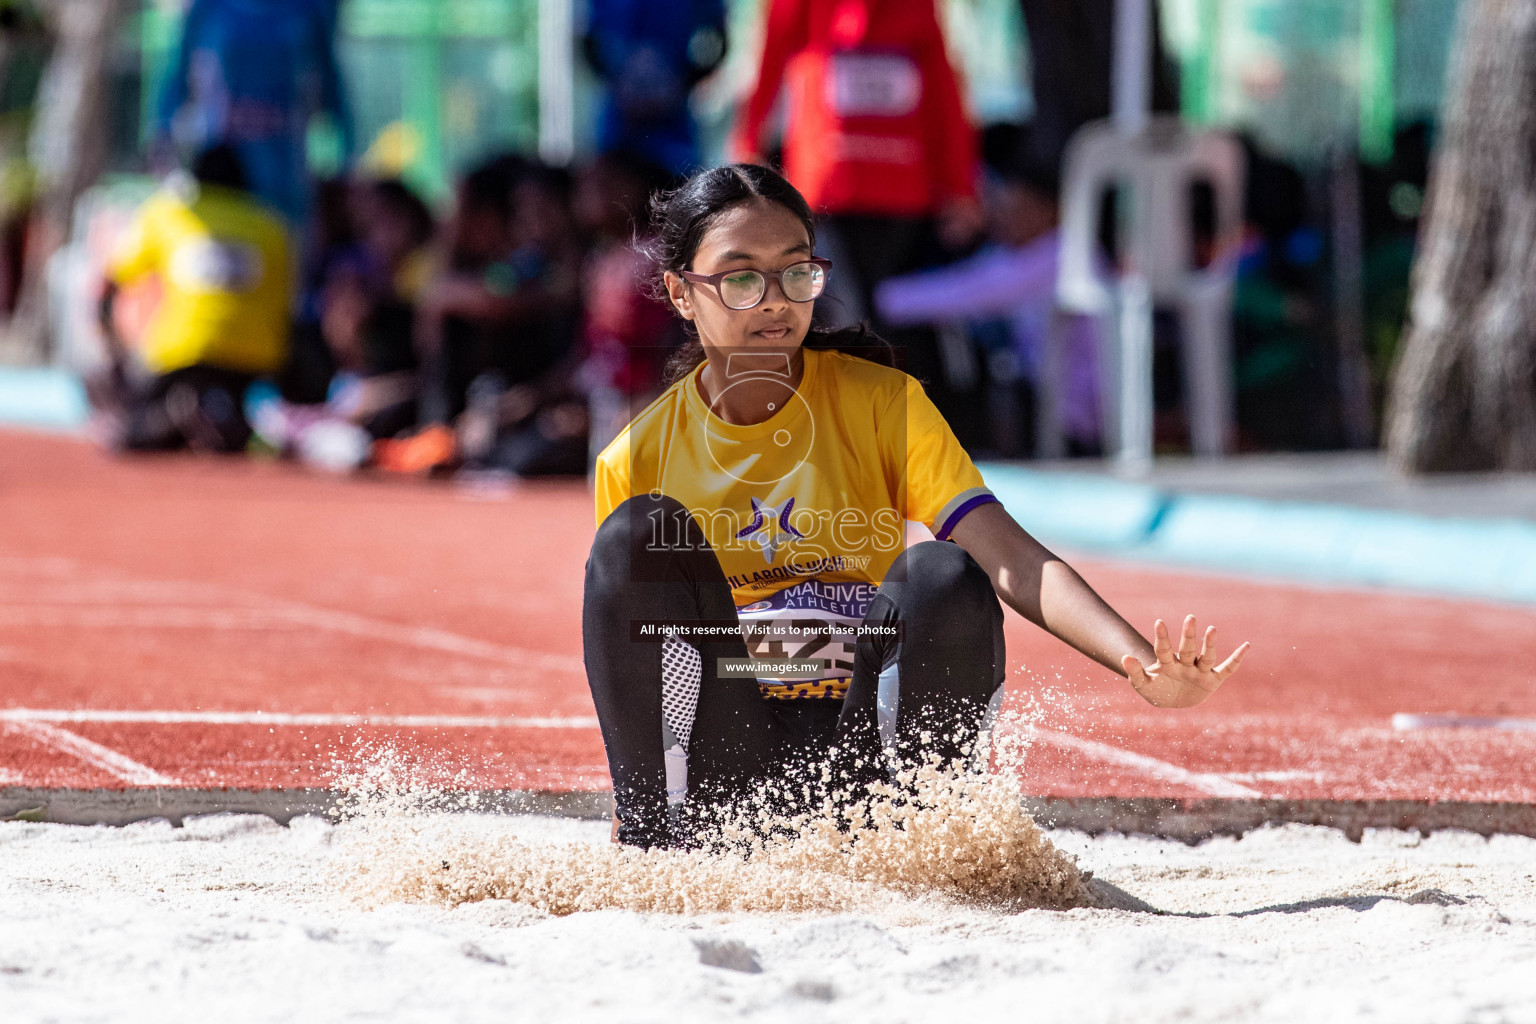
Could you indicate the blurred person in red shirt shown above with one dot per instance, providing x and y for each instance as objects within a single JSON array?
[{"x": 877, "y": 139}]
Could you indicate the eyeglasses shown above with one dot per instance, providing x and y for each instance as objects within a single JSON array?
[{"x": 744, "y": 289}]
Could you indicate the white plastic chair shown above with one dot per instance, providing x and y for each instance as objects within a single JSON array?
[{"x": 1155, "y": 169}]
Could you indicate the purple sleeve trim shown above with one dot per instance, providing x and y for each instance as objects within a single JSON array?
[{"x": 961, "y": 512}]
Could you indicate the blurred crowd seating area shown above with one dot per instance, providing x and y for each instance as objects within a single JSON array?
[{"x": 467, "y": 296}]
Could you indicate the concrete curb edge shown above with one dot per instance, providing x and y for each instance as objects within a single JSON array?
[{"x": 1188, "y": 822}]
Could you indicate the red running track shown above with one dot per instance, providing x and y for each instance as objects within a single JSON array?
[{"x": 210, "y": 623}]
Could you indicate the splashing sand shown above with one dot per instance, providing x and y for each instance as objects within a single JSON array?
[{"x": 941, "y": 834}]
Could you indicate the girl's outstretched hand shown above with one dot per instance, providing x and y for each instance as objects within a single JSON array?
[{"x": 1181, "y": 679}]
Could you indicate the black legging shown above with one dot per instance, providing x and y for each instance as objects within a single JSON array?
[
  {"x": 196, "y": 406},
  {"x": 927, "y": 688}
]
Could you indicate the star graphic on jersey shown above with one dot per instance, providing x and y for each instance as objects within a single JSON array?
[{"x": 774, "y": 524}]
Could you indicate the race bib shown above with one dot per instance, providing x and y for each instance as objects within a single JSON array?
[
  {"x": 210, "y": 265},
  {"x": 873, "y": 85},
  {"x": 811, "y": 621}
]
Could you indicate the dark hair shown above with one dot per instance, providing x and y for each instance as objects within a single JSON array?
[
  {"x": 645, "y": 175},
  {"x": 488, "y": 187},
  {"x": 333, "y": 225},
  {"x": 684, "y": 215},
  {"x": 1013, "y": 153},
  {"x": 554, "y": 182},
  {"x": 220, "y": 165},
  {"x": 396, "y": 197}
]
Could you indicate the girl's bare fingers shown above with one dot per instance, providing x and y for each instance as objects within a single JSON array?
[
  {"x": 1229, "y": 666},
  {"x": 1160, "y": 643},
  {"x": 1187, "y": 640},
  {"x": 1134, "y": 671},
  {"x": 1207, "y": 646}
]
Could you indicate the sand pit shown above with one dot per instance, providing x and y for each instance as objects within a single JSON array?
[
  {"x": 938, "y": 836},
  {"x": 236, "y": 918}
]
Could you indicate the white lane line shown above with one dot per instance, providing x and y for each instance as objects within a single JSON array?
[
  {"x": 1158, "y": 769},
  {"x": 30, "y": 715},
  {"x": 269, "y": 614},
  {"x": 288, "y": 616},
  {"x": 146, "y": 617},
  {"x": 480, "y": 694},
  {"x": 431, "y": 639},
  {"x": 1282, "y": 776},
  {"x": 115, "y": 592},
  {"x": 1408, "y": 723},
  {"x": 49, "y": 565},
  {"x": 108, "y": 760}
]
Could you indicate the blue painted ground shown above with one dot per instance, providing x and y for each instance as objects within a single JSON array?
[
  {"x": 41, "y": 398},
  {"x": 1478, "y": 557}
]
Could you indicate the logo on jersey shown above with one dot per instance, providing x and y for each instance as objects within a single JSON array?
[
  {"x": 214, "y": 265},
  {"x": 769, "y": 528}
]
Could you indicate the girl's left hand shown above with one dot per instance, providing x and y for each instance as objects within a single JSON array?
[{"x": 1181, "y": 679}]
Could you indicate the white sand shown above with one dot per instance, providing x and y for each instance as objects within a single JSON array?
[{"x": 234, "y": 918}]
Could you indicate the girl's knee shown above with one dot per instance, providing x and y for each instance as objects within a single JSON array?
[
  {"x": 644, "y": 522},
  {"x": 941, "y": 567}
]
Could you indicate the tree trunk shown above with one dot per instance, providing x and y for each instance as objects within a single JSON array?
[
  {"x": 1464, "y": 391},
  {"x": 68, "y": 150}
]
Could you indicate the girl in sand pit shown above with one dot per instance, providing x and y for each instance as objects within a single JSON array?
[{"x": 753, "y": 621}]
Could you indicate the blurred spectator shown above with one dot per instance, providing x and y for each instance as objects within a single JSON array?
[
  {"x": 1281, "y": 356},
  {"x": 1286, "y": 358},
  {"x": 627, "y": 335},
  {"x": 363, "y": 317},
  {"x": 368, "y": 309},
  {"x": 496, "y": 330},
  {"x": 478, "y": 234},
  {"x": 650, "y": 57},
  {"x": 875, "y": 137},
  {"x": 252, "y": 73},
  {"x": 527, "y": 417},
  {"x": 222, "y": 262},
  {"x": 1014, "y": 278},
  {"x": 876, "y": 126},
  {"x": 333, "y": 241},
  {"x": 24, "y": 53}
]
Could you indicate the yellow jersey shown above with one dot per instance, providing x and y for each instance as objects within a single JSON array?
[
  {"x": 226, "y": 276},
  {"x": 807, "y": 510}
]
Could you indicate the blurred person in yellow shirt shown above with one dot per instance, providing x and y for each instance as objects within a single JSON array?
[{"x": 222, "y": 262}]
